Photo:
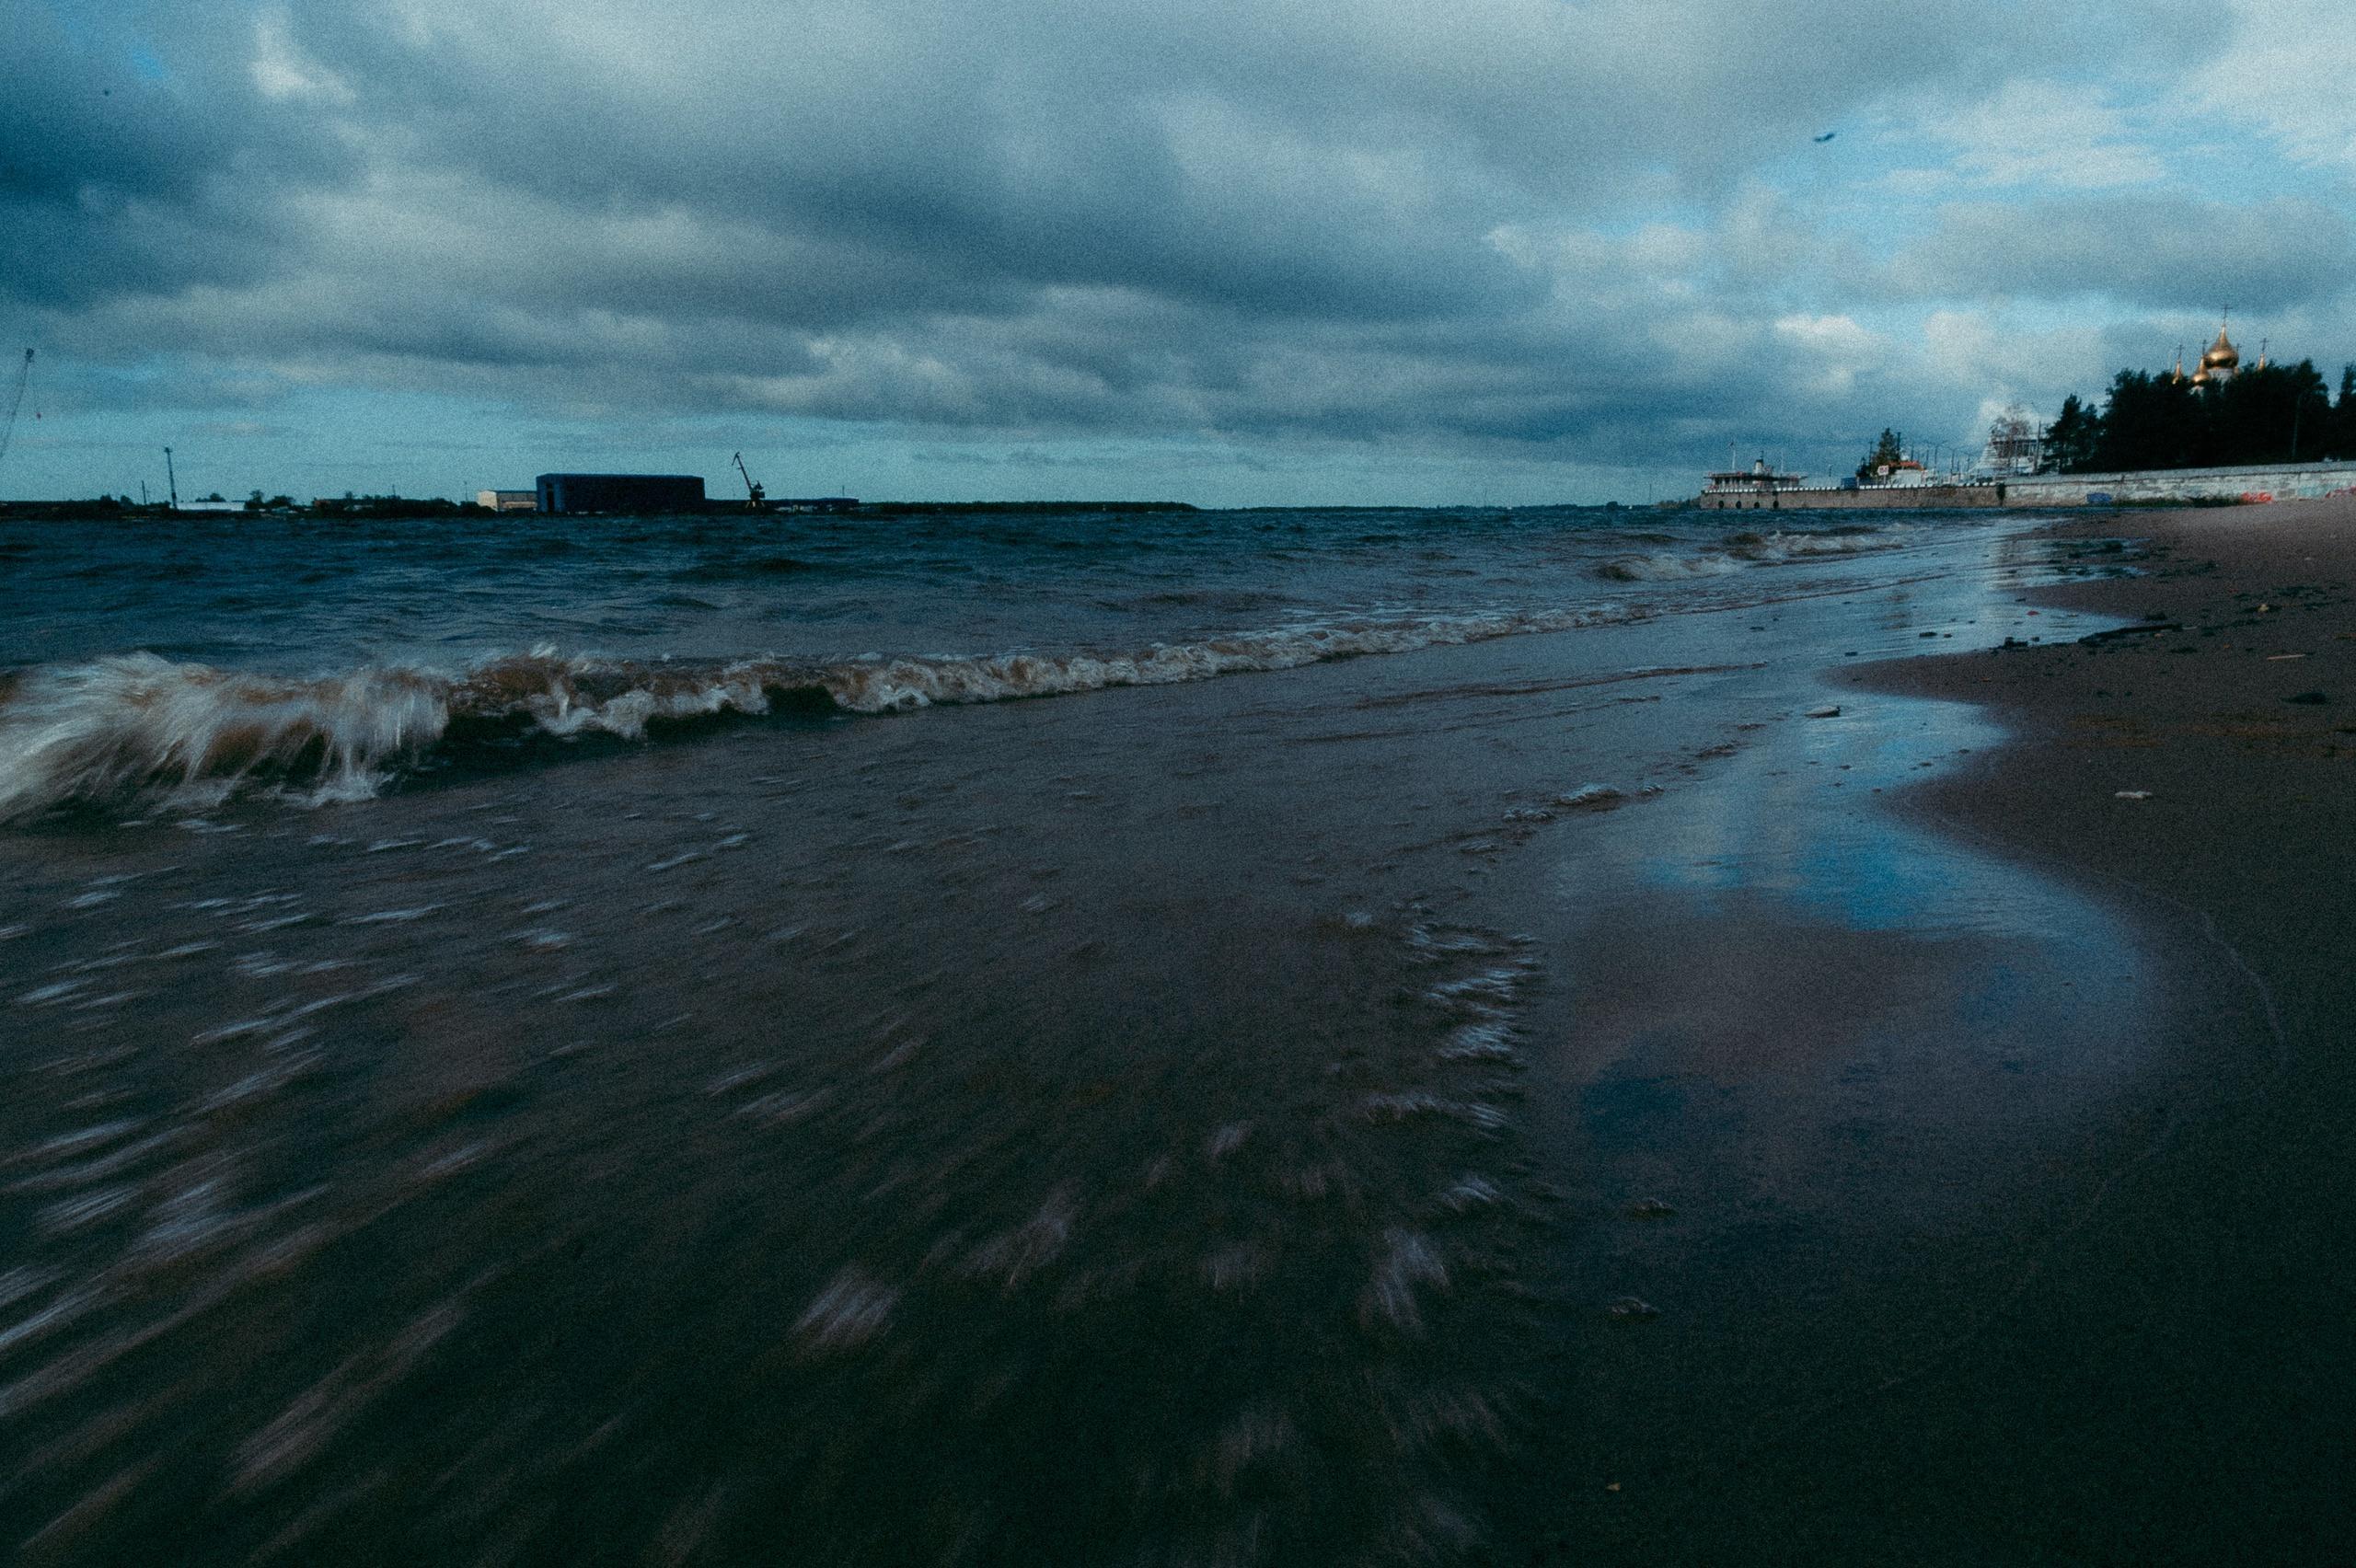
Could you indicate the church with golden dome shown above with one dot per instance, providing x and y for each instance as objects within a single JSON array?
[{"x": 2220, "y": 365}]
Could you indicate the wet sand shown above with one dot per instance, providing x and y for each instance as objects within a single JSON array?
[{"x": 2169, "y": 1376}]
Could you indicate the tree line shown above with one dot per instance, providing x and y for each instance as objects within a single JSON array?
[{"x": 2270, "y": 414}]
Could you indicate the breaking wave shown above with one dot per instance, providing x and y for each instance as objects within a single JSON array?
[
  {"x": 1737, "y": 551},
  {"x": 135, "y": 725},
  {"x": 1855, "y": 539},
  {"x": 1666, "y": 568}
]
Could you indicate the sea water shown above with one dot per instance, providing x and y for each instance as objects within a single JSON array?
[{"x": 1023, "y": 1037}]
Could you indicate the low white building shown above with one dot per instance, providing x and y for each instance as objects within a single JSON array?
[
  {"x": 1755, "y": 485},
  {"x": 508, "y": 501}
]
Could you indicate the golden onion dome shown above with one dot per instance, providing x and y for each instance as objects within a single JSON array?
[{"x": 2221, "y": 354}]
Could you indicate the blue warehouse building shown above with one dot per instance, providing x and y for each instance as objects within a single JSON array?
[{"x": 581, "y": 493}]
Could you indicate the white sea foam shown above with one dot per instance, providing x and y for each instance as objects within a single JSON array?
[
  {"x": 1780, "y": 545},
  {"x": 135, "y": 725},
  {"x": 1483, "y": 1042},
  {"x": 1666, "y": 568},
  {"x": 119, "y": 725},
  {"x": 1014, "y": 1255},
  {"x": 1591, "y": 796},
  {"x": 852, "y": 1309},
  {"x": 1738, "y": 552},
  {"x": 1407, "y": 1260}
]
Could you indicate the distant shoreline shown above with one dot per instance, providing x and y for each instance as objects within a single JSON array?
[{"x": 381, "y": 507}]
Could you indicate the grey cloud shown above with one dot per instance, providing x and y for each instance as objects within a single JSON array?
[
  {"x": 1242, "y": 216},
  {"x": 2153, "y": 251},
  {"x": 113, "y": 180}
]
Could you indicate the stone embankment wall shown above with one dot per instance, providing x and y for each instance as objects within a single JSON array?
[
  {"x": 2267, "y": 481},
  {"x": 2275, "y": 481}
]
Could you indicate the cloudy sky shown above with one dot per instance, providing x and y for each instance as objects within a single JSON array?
[{"x": 1233, "y": 252}]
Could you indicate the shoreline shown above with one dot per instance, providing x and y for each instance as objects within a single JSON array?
[{"x": 2176, "y": 1379}]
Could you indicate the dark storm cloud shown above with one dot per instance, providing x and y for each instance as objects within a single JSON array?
[
  {"x": 1236, "y": 216},
  {"x": 115, "y": 180}
]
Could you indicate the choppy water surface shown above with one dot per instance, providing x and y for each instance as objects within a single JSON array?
[
  {"x": 528, "y": 1047},
  {"x": 333, "y": 657}
]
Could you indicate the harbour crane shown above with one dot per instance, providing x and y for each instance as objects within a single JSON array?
[
  {"x": 753, "y": 492},
  {"x": 16, "y": 401}
]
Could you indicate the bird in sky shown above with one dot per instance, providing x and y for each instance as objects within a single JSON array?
[{"x": 1826, "y": 137}]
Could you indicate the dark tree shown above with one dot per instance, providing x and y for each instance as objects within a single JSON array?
[
  {"x": 2272, "y": 414},
  {"x": 2311, "y": 424},
  {"x": 1887, "y": 451},
  {"x": 2267, "y": 414},
  {"x": 2149, "y": 422},
  {"x": 2071, "y": 439}
]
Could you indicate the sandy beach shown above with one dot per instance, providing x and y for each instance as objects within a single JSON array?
[{"x": 2166, "y": 1369}]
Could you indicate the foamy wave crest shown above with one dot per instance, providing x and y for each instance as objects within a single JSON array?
[
  {"x": 1738, "y": 552},
  {"x": 1666, "y": 568},
  {"x": 1777, "y": 547},
  {"x": 882, "y": 685},
  {"x": 137, "y": 725},
  {"x": 124, "y": 725}
]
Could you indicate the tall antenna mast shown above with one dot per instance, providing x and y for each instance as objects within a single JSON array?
[
  {"x": 172, "y": 478},
  {"x": 16, "y": 401}
]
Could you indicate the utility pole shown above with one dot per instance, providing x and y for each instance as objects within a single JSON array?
[{"x": 172, "y": 478}]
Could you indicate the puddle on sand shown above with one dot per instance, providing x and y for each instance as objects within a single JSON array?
[{"x": 1821, "y": 1083}]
